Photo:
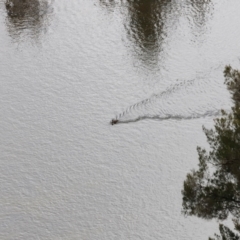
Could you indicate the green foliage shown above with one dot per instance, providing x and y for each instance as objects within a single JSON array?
[
  {"x": 213, "y": 191},
  {"x": 226, "y": 234}
]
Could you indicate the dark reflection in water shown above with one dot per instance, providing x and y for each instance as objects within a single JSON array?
[
  {"x": 27, "y": 18},
  {"x": 200, "y": 14},
  {"x": 149, "y": 22},
  {"x": 146, "y": 27},
  {"x": 110, "y": 4}
]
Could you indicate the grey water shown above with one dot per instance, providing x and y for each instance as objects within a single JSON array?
[{"x": 68, "y": 68}]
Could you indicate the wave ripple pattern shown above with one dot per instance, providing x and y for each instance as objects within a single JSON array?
[{"x": 184, "y": 100}]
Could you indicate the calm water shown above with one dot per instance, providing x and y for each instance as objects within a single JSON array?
[{"x": 69, "y": 67}]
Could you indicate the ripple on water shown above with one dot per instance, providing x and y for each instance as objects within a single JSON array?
[{"x": 184, "y": 100}]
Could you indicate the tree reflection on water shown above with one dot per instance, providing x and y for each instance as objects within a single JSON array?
[
  {"x": 145, "y": 27},
  {"x": 26, "y": 18},
  {"x": 150, "y": 22}
]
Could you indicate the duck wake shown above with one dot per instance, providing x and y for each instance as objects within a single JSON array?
[{"x": 186, "y": 100}]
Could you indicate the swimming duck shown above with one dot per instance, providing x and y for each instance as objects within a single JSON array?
[{"x": 114, "y": 121}]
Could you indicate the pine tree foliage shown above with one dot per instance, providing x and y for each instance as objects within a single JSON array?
[
  {"x": 226, "y": 234},
  {"x": 213, "y": 190}
]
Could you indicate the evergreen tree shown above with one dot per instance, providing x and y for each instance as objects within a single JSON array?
[
  {"x": 213, "y": 190},
  {"x": 226, "y": 234}
]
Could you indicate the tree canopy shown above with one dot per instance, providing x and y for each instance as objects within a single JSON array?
[
  {"x": 213, "y": 190},
  {"x": 226, "y": 234}
]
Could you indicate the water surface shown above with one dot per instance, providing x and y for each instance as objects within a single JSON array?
[{"x": 68, "y": 68}]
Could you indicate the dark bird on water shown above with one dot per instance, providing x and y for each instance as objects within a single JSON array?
[{"x": 114, "y": 121}]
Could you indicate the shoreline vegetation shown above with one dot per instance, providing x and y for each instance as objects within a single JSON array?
[{"x": 213, "y": 190}]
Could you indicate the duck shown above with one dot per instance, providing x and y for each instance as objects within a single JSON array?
[{"x": 114, "y": 121}]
